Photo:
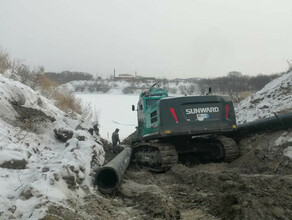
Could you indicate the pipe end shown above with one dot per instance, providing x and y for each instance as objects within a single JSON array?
[{"x": 106, "y": 179}]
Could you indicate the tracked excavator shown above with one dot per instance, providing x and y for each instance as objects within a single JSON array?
[
  {"x": 186, "y": 129},
  {"x": 183, "y": 129}
]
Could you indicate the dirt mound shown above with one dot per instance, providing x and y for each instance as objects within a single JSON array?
[
  {"x": 268, "y": 153},
  {"x": 158, "y": 206},
  {"x": 230, "y": 195},
  {"x": 255, "y": 186},
  {"x": 148, "y": 196}
]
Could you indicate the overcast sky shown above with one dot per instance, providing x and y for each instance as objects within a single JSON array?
[{"x": 162, "y": 38}]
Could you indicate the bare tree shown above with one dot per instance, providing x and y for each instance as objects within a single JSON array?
[
  {"x": 22, "y": 71},
  {"x": 289, "y": 65},
  {"x": 37, "y": 76},
  {"x": 4, "y": 60}
]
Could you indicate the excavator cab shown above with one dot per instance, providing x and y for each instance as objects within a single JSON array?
[{"x": 147, "y": 109}]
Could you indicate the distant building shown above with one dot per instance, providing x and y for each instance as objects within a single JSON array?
[
  {"x": 124, "y": 76},
  {"x": 148, "y": 78}
]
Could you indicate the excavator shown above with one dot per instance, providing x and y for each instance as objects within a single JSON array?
[{"x": 186, "y": 129}]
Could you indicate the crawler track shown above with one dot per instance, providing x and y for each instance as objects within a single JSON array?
[
  {"x": 231, "y": 149},
  {"x": 157, "y": 157}
]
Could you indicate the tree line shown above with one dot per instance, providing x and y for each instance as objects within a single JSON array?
[
  {"x": 67, "y": 76},
  {"x": 232, "y": 84},
  {"x": 235, "y": 82}
]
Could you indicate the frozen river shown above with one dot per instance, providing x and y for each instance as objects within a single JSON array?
[{"x": 114, "y": 110}]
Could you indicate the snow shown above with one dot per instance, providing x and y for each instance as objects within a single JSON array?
[
  {"x": 15, "y": 92},
  {"x": 115, "y": 111},
  {"x": 48, "y": 161},
  {"x": 284, "y": 138},
  {"x": 285, "y": 141},
  {"x": 9, "y": 153},
  {"x": 288, "y": 152},
  {"x": 275, "y": 97}
]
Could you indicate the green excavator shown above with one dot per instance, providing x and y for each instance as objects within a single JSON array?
[{"x": 186, "y": 129}]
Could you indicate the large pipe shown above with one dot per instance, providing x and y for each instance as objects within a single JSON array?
[
  {"x": 109, "y": 176},
  {"x": 275, "y": 123}
]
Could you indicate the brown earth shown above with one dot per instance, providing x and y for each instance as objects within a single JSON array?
[{"x": 258, "y": 185}]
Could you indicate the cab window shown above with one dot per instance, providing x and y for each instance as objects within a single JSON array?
[{"x": 150, "y": 102}]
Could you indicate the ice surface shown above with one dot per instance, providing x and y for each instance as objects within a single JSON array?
[{"x": 115, "y": 111}]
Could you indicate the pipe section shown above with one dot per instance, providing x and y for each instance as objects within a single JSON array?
[
  {"x": 275, "y": 123},
  {"x": 109, "y": 176}
]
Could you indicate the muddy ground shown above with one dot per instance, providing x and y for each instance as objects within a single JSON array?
[{"x": 258, "y": 185}]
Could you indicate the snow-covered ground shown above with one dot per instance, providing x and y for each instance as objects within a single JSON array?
[
  {"x": 37, "y": 169},
  {"x": 275, "y": 97},
  {"x": 114, "y": 110}
]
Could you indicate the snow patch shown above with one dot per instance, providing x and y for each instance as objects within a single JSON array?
[
  {"x": 288, "y": 152},
  {"x": 15, "y": 93},
  {"x": 12, "y": 152}
]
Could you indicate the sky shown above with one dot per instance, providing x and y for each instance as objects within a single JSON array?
[{"x": 160, "y": 38}]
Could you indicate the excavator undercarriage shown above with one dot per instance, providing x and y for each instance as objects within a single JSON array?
[{"x": 159, "y": 156}]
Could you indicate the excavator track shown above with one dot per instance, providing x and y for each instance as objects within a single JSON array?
[
  {"x": 231, "y": 149},
  {"x": 156, "y": 157}
]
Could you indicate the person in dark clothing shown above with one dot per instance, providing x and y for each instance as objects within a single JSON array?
[
  {"x": 116, "y": 141},
  {"x": 115, "y": 137}
]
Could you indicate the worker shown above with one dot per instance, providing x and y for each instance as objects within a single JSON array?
[{"x": 116, "y": 140}]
